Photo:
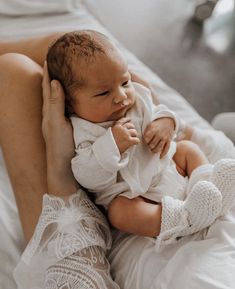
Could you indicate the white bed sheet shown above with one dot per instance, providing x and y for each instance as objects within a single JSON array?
[{"x": 203, "y": 264}]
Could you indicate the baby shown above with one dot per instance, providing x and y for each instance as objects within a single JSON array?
[{"x": 149, "y": 184}]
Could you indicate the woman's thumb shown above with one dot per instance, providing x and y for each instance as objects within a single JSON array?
[{"x": 56, "y": 99}]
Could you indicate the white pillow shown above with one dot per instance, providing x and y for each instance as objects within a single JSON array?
[{"x": 33, "y": 7}]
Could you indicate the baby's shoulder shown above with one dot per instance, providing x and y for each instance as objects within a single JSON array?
[
  {"x": 143, "y": 94},
  {"x": 143, "y": 98},
  {"x": 84, "y": 130}
]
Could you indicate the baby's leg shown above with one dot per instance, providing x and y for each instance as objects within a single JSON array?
[
  {"x": 188, "y": 157},
  {"x": 137, "y": 216},
  {"x": 169, "y": 220}
]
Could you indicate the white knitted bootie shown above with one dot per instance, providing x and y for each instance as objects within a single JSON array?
[
  {"x": 182, "y": 218},
  {"x": 201, "y": 173},
  {"x": 223, "y": 177}
]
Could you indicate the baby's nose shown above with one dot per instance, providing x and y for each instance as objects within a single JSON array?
[{"x": 120, "y": 96}]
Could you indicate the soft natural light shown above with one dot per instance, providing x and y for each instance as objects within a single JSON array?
[
  {"x": 224, "y": 6},
  {"x": 219, "y": 41}
]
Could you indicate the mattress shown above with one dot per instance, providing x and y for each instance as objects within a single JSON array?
[{"x": 198, "y": 264}]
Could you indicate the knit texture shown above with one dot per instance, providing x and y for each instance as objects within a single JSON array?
[
  {"x": 201, "y": 173},
  {"x": 182, "y": 218},
  {"x": 223, "y": 177}
]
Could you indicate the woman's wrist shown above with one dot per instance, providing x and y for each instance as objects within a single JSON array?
[{"x": 60, "y": 179}]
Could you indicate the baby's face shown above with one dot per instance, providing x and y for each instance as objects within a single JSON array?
[{"x": 107, "y": 92}]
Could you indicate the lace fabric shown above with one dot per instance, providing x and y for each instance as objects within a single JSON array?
[{"x": 67, "y": 250}]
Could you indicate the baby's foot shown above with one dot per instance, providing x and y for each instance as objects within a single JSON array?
[
  {"x": 198, "y": 211},
  {"x": 201, "y": 173},
  {"x": 203, "y": 205},
  {"x": 223, "y": 177}
]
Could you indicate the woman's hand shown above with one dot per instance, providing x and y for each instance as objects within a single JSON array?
[{"x": 58, "y": 135}]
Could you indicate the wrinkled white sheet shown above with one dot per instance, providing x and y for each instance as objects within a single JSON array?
[{"x": 206, "y": 264}]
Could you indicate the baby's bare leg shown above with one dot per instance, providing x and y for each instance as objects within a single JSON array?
[
  {"x": 188, "y": 157},
  {"x": 136, "y": 216},
  {"x": 167, "y": 220}
]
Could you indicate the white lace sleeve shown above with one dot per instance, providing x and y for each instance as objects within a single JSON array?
[{"x": 67, "y": 250}]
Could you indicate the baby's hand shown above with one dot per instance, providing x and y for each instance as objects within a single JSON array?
[
  {"x": 158, "y": 135},
  {"x": 125, "y": 134}
]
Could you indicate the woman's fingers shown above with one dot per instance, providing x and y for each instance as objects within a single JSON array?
[
  {"x": 56, "y": 99},
  {"x": 53, "y": 96},
  {"x": 46, "y": 89}
]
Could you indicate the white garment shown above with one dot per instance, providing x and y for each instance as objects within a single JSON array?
[
  {"x": 143, "y": 267},
  {"x": 70, "y": 241},
  {"x": 68, "y": 247},
  {"x": 225, "y": 122},
  {"x": 99, "y": 167}
]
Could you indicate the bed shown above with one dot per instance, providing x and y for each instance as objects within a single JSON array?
[{"x": 201, "y": 263}]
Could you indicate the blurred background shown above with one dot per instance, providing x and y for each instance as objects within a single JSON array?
[{"x": 190, "y": 44}]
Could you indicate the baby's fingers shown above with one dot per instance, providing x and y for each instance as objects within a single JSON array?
[
  {"x": 123, "y": 121},
  {"x": 165, "y": 149},
  {"x": 129, "y": 125},
  {"x": 158, "y": 148},
  {"x": 134, "y": 140},
  {"x": 133, "y": 132},
  {"x": 148, "y": 136}
]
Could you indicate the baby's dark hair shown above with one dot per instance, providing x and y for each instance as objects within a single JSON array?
[{"x": 80, "y": 45}]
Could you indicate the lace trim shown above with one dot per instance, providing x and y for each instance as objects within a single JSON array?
[
  {"x": 68, "y": 226},
  {"x": 68, "y": 248},
  {"x": 87, "y": 269}
]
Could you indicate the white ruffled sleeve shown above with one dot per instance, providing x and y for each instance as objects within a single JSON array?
[{"x": 67, "y": 250}]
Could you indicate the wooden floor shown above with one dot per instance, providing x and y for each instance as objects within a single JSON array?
[{"x": 197, "y": 60}]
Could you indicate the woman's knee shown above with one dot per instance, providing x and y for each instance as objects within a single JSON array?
[{"x": 17, "y": 68}]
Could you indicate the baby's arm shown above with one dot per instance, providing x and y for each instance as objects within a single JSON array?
[
  {"x": 137, "y": 216},
  {"x": 96, "y": 164}
]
